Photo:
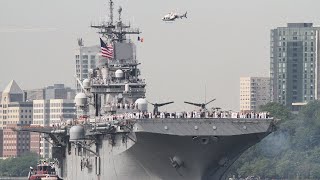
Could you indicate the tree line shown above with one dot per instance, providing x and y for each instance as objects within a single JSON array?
[
  {"x": 291, "y": 152},
  {"x": 18, "y": 166}
]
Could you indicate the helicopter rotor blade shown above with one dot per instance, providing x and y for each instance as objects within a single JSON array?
[
  {"x": 210, "y": 101},
  {"x": 163, "y": 104},
  {"x": 195, "y": 104},
  {"x": 150, "y": 103}
]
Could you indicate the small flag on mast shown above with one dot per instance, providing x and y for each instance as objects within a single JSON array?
[{"x": 106, "y": 51}]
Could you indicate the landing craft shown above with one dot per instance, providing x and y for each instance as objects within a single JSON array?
[{"x": 173, "y": 16}]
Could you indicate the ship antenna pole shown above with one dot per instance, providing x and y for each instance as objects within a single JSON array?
[
  {"x": 111, "y": 11},
  {"x": 205, "y": 93},
  {"x": 119, "y": 11}
]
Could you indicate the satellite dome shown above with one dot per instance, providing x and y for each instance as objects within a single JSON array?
[
  {"x": 86, "y": 83},
  {"x": 142, "y": 104},
  {"x": 119, "y": 73},
  {"x": 77, "y": 133},
  {"x": 80, "y": 99}
]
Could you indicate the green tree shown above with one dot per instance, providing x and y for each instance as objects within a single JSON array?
[
  {"x": 18, "y": 166},
  {"x": 292, "y": 152},
  {"x": 310, "y": 114},
  {"x": 277, "y": 110}
]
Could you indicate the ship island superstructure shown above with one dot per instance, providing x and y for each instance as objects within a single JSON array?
[{"x": 116, "y": 137}]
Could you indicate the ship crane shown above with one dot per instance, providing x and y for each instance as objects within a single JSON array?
[{"x": 201, "y": 105}]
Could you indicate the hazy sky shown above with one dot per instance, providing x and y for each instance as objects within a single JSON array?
[{"x": 219, "y": 42}]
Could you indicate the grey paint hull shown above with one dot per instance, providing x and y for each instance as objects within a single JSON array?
[{"x": 146, "y": 155}]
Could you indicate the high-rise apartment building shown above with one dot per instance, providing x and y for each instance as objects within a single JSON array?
[
  {"x": 49, "y": 113},
  {"x": 41, "y": 118},
  {"x": 1, "y": 142},
  {"x": 14, "y": 111},
  {"x": 61, "y": 109},
  {"x": 85, "y": 60},
  {"x": 294, "y": 63},
  {"x": 18, "y": 108},
  {"x": 254, "y": 92}
]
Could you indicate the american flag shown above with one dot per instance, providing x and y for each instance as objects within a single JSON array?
[{"x": 106, "y": 51}]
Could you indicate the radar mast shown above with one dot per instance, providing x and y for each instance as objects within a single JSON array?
[{"x": 115, "y": 32}]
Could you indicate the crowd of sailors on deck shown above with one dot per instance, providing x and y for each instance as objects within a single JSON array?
[
  {"x": 193, "y": 114},
  {"x": 122, "y": 106},
  {"x": 182, "y": 115},
  {"x": 186, "y": 115},
  {"x": 196, "y": 114}
]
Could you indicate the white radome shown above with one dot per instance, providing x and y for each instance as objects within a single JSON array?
[
  {"x": 80, "y": 99},
  {"x": 86, "y": 83},
  {"x": 119, "y": 73},
  {"x": 142, "y": 104}
]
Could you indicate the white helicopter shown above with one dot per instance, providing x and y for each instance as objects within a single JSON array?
[{"x": 173, "y": 16}]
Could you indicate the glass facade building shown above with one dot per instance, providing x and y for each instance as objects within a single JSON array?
[{"x": 294, "y": 63}]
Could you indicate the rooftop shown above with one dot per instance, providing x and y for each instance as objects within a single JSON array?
[{"x": 13, "y": 88}]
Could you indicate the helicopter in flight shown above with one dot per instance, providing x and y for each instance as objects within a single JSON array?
[{"x": 172, "y": 16}]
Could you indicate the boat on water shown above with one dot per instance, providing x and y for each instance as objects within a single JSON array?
[
  {"x": 43, "y": 171},
  {"x": 117, "y": 137}
]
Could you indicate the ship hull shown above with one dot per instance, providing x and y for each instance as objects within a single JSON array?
[{"x": 147, "y": 155}]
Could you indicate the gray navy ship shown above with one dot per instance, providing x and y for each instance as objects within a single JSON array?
[{"x": 116, "y": 137}]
